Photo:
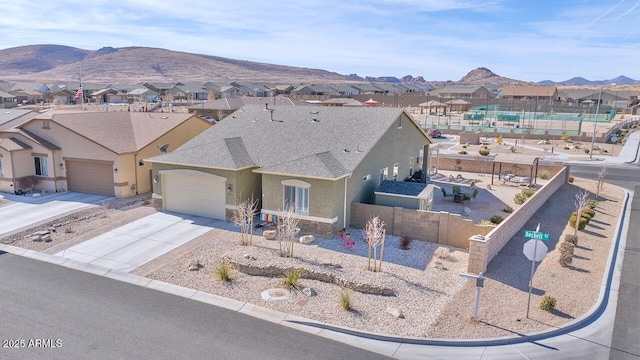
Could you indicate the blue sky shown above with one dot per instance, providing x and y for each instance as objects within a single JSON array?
[{"x": 437, "y": 39}]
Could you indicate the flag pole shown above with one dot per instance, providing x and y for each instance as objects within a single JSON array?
[{"x": 81, "y": 89}]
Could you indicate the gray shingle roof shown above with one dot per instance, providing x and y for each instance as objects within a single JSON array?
[
  {"x": 292, "y": 143},
  {"x": 402, "y": 188}
]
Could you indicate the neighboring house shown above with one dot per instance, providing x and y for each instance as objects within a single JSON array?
[
  {"x": 92, "y": 152},
  {"x": 465, "y": 92},
  {"x": 367, "y": 89},
  {"x": 220, "y": 90},
  {"x": 342, "y": 102},
  {"x": 314, "y": 90},
  {"x": 344, "y": 90},
  {"x": 7, "y": 100},
  {"x": 318, "y": 162},
  {"x": 101, "y": 96},
  {"x": 606, "y": 98},
  {"x": 143, "y": 95},
  {"x": 250, "y": 89},
  {"x": 526, "y": 92},
  {"x": 221, "y": 108}
]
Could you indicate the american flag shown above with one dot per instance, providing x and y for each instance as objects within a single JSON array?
[{"x": 79, "y": 92}]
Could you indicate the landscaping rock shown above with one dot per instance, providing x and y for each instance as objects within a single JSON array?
[
  {"x": 195, "y": 265},
  {"x": 269, "y": 234},
  {"x": 396, "y": 313},
  {"x": 306, "y": 239},
  {"x": 46, "y": 238},
  {"x": 309, "y": 292},
  {"x": 37, "y": 238}
]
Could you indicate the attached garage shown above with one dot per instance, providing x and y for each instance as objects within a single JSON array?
[
  {"x": 194, "y": 192},
  {"x": 90, "y": 176}
]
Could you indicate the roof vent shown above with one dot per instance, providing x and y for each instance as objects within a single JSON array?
[
  {"x": 315, "y": 119},
  {"x": 314, "y": 112},
  {"x": 345, "y": 150}
]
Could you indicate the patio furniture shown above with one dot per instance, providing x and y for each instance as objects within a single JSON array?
[
  {"x": 458, "y": 197},
  {"x": 469, "y": 196},
  {"x": 445, "y": 194},
  {"x": 456, "y": 189}
]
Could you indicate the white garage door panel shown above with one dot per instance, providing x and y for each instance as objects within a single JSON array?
[
  {"x": 195, "y": 196},
  {"x": 90, "y": 177}
]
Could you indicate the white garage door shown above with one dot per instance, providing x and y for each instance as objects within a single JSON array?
[
  {"x": 194, "y": 192},
  {"x": 90, "y": 177}
]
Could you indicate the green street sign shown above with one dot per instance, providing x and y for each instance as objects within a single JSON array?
[{"x": 529, "y": 234}]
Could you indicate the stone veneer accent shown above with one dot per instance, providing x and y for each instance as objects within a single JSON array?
[{"x": 157, "y": 203}]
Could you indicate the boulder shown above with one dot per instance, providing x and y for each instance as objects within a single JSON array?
[
  {"x": 309, "y": 292},
  {"x": 396, "y": 313},
  {"x": 37, "y": 238},
  {"x": 269, "y": 234},
  {"x": 195, "y": 265},
  {"x": 306, "y": 239}
]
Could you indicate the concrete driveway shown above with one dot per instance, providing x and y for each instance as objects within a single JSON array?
[
  {"x": 27, "y": 211},
  {"x": 141, "y": 241}
]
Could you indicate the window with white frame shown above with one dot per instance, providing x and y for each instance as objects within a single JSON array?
[
  {"x": 40, "y": 165},
  {"x": 296, "y": 195},
  {"x": 383, "y": 174}
]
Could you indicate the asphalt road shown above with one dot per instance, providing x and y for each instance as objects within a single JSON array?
[
  {"x": 625, "y": 342},
  {"x": 83, "y": 316}
]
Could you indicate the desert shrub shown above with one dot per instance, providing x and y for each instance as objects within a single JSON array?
[
  {"x": 570, "y": 179},
  {"x": 486, "y": 223},
  {"x": 464, "y": 146},
  {"x": 581, "y": 224},
  {"x": 483, "y": 152},
  {"x": 405, "y": 243},
  {"x": 564, "y": 136},
  {"x": 589, "y": 211},
  {"x": 508, "y": 209},
  {"x": 291, "y": 279},
  {"x": 442, "y": 253},
  {"x": 496, "y": 219},
  {"x": 548, "y": 303},
  {"x": 519, "y": 199},
  {"x": 528, "y": 192},
  {"x": 583, "y": 214},
  {"x": 462, "y": 152},
  {"x": 223, "y": 273},
  {"x": 345, "y": 301},
  {"x": 513, "y": 149},
  {"x": 566, "y": 253},
  {"x": 572, "y": 239},
  {"x": 586, "y": 151},
  {"x": 576, "y": 146},
  {"x": 566, "y": 148},
  {"x": 592, "y": 203},
  {"x": 499, "y": 139},
  {"x": 68, "y": 230},
  {"x": 544, "y": 175},
  {"x": 485, "y": 147}
]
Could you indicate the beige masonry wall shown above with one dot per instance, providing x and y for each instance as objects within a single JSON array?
[
  {"x": 437, "y": 227},
  {"x": 483, "y": 249}
]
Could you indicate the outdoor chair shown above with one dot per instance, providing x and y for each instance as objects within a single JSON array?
[
  {"x": 445, "y": 194},
  {"x": 469, "y": 196},
  {"x": 456, "y": 189}
]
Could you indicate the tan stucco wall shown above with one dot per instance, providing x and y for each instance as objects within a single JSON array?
[
  {"x": 483, "y": 250},
  {"x": 398, "y": 145}
]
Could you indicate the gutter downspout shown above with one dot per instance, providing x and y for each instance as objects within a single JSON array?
[
  {"x": 344, "y": 210},
  {"x": 135, "y": 171}
]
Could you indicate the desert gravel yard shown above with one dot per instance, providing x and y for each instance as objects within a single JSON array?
[{"x": 433, "y": 299}]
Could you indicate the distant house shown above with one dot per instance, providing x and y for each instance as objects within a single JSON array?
[
  {"x": 344, "y": 90},
  {"x": 250, "y": 89},
  {"x": 464, "y": 92},
  {"x": 143, "y": 95},
  {"x": 367, "y": 89},
  {"x": 314, "y": 89},
  {"x": 7, "y": 100},
  {"x": 221, "y": 108},
  {"x": 346, "y": 102},
  {"x": 316, "y": 162},
  {"x": 159, "y": 87},
  {"x": 527, "y": 92},
  {"x": 92, "y": 152}
]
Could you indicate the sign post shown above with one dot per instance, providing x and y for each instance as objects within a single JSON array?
[
  {"x": 534, "y": 250},
  {"x": 479, "y": 285}
]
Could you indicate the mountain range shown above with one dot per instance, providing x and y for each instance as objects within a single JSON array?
[{"x": 46, "y": 63}]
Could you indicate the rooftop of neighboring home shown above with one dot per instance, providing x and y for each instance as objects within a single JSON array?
[
  {"x": 12, "y": 118},
  {"x": 135, "y": 130},
  {"x": 459, "y": 89},
  {"x": 235, "y": 103},
  {"x": 321, "y": 142},
  {"x": 528, "y": 90}
]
